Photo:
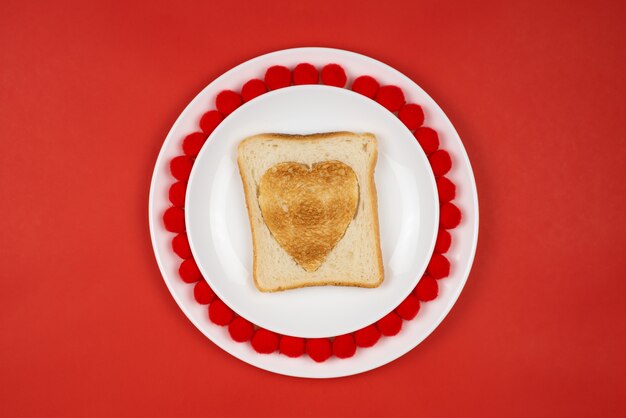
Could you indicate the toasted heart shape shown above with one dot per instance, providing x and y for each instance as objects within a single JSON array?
[{"x": 308, "y": 210}]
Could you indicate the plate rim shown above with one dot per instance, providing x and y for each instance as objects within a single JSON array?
[{"x": 361, "y": 368}]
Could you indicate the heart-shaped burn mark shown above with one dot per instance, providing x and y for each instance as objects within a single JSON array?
[{"x": 308, "y": 210}]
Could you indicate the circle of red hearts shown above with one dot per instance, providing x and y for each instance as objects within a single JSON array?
[{"x": 342, "y": 346}]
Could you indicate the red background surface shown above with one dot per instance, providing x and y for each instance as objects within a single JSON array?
[{"x": 88, "y": 91}]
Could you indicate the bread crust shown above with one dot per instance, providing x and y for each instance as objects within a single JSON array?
[
  {"x": 373, "y": 201},
  {"x": 246, "y": 192}
]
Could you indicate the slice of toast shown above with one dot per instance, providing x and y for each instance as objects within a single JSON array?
[{"x": 313, "y": 210}]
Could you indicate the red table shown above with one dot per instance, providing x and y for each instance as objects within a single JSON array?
[{"x": 88, "y": 91}]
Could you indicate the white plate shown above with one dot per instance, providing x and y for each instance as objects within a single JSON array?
[
  {"x": 219, "y": 231},
  {"x": 464, "y": 237}
]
